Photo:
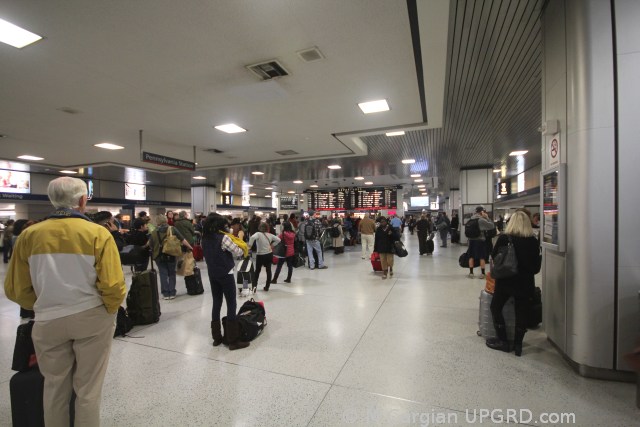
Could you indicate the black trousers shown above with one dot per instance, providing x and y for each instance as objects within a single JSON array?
[
  {"x": 263, "y": 260},
  {"x": 522, "y": 306},
  {"x": 422, "y": 242}
]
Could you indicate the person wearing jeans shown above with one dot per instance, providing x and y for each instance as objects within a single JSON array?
[
  {"x": 386, "y": 235},
  {"x": 314, "y": 243},
  {"x": 166, "y": 263}
]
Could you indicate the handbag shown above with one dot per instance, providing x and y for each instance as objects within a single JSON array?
[
  {"x": 171, "y": 245},
  {"x": 298, "y": 261},
  {"x": 399, "y": 249},
  {"x": 280, "y": 250},
  {"x": 505, "y": 263},
  {"x": 186, "y": 265}
]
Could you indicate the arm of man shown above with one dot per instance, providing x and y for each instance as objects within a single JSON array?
[
  {"x": 485, "y": 224},
  {"x": 110, "y": 279},
  {"x": 17, "y": 284}
]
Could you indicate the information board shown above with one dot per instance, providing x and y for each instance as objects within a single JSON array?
[
  {"x": 353, "y": 198},
  {"x": 553, "y": 208},
  {"x": 288, "y": 203}
]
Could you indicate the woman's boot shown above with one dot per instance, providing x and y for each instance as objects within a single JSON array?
[
  {"x": 233, "y": 335},
  {"x": 216, "y": 333},
  {"x": 501, "y": 342},
  {"x": 517, "y": 340}
]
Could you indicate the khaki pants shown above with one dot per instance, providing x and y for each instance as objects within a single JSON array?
[
  {"x": 387, "y": 262},
  {"x": 367, "y": 241},
  {"x": 73, "y": 353}
]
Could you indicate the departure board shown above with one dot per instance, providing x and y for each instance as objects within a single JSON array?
[{"x": 353, "y": 198}]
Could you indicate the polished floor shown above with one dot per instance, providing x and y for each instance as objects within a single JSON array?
[{"x": 342, "y": 347}]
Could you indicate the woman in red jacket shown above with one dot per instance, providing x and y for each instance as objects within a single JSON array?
[{"x": 288, "y": 236}]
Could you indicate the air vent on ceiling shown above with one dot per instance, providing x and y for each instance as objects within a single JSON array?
[
  {"x": 310, "y": 55},
  {"x": 212, "y": 150},
  {"x": 268, "y": 70},
  {"x": 287, "y": 152}
]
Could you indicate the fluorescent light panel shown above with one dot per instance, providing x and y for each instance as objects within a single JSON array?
[
  {"x": 199, "y": 177},
  {"x": 334, "y": 167},
  {"x": 297, "y": 181},
  {"x": 28, "y": 157},
  {"x": 109, "y": 146},
  {"x": 257, "y": 173},
  {"x": 374, "y": 106},
  {"x": 422, "y": 185},
  {"x": 415, "y": 175},
  {"x": 268, "y": 188},
  {"x": 359, "y": 178},
  {"x": 252, "y": 194},
  {"x": 291, "y": 192},
  {"x": 368, "y": 183},
  {"x": 518, "y": 153},
  {"x": 398, "y": 133},
  {"x": 497, "y": 170},
  {"x": 15, "y": 36},
  {"x": 313, "y": 186},
  {"x": 418, "y": 180},
  {"x": 408, "y": 161},
  {"x": 230, "y": 128},
  {"x": 69, "y": 172}
]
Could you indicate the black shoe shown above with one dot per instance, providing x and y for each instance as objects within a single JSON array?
[
  {"x": 266, "y": 289},
  {"x": 254, "y": 289},
  {"x": 498, "y": 344},
  {"x": 287, "y": 281},
  {"x": 274, "y": 281}
]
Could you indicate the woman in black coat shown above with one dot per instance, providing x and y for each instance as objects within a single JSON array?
[
  {"x": 383, "y": 244},
  {"x": 521, "y": 286}
]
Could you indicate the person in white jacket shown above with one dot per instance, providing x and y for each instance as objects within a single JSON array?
[{"x": 264, "y": 254}]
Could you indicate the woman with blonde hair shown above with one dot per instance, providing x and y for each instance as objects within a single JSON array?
[{"x": 521, "y": 286}]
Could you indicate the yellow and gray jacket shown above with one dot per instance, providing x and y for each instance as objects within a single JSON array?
[{"x": 63, "y": 266}]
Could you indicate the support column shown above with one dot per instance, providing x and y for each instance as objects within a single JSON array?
[
  {"x": 476, "y": 188},
  {"x": 203, "y": 199}
]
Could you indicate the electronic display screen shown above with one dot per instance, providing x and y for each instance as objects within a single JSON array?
[
  {"x": 15, "y": 182},
  {"x": 354, "y": 198}
]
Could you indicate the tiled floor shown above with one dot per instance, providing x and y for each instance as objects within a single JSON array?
[{"x": 343, "y": 347}]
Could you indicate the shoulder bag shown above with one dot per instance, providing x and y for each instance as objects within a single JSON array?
[
  {"x": 505, "y": 263},
  {"x": 171, "y": 245}
]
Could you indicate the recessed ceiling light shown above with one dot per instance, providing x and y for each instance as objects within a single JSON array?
[
  {"x": 199, "y": 177},
  {"x": 257, "y": 173},
  {"x": 497, "y": 170},
  {"x": 518, "y": 153},
  {"x": 399, "y": 133},
  {"x": 415, "y": 175},
  {"x": 268, "y": 196},
  {"x": 418, "y": 180},
  {"x": 297, "y": 181},
  {"x": 28, "y": 157},
  {"x": 368, "y": 183},
  {"x": 249, "y": 185},
  {"x": 69, "y": 172},
  {"x": 226, "y": 191},
  {"x": 424, "y": 194},
  {"x": 374, "y": 106},
  {"x": 291, "y": 192},
  {"x": 422, "y": 185},
  {"x": 268, "y": 188},
  {"x": 109, "y": 146},
  {"x": 230, "y": 128},
  {"x": 313, "y": 186},
  {"x": 15, "y": 36},
  {"x": 408, "y": 161},
  {"x": 252, "y": 194},
  {"x": 359, "y": 178},
  {"x": 334, "y": 167}
]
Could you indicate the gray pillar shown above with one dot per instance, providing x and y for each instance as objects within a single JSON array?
[
  {"x": 203, "y": 199},
  {"x": 476, "y": 188}
]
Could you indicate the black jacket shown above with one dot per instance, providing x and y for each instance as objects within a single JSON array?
[
  {"x": 384, "y": 239},
  {"x": 424, "y": 225},
  {"x": 529, "y": 262}
]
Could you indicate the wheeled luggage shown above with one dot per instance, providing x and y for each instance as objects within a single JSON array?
[
  {"x": 194, "y": 282},
  {"x": 133, "y": 255},
  {"x": 26, "y": 389},
  {"x": 485, "y": 322},
  {"x": 143, "y": 302},
  {"x": 338, "y": 250},
  {"x": 535, "y": 310},
  {"x": 198, "y": 254},
  {"x": 455, "y": 236},
  {"x": 375, "y": 261},
  {"x": 430, "y": 246}
]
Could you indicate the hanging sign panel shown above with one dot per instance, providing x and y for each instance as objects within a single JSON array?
[{"x": 159, "y": 159}]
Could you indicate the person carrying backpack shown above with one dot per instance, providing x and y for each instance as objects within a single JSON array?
[
  {"x": 337, "y": 235},
  {"x": 312, "y": 233},
  {"x": 473, "y": 229}
]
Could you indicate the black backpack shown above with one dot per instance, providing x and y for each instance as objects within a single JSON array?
[
  {"x": 310, "y": 231},
  {"x": 252, "y": 320},
  {"x": 490, "y": 234},
  {"x": 335, "y": 230},
  {"x": 123, "y": 323},
  {"x": 472, "y": 229}
]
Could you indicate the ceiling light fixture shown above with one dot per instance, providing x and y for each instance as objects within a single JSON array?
[
  {"x": 359, "y": 178},
  {"x": 291, "y": 192},
  {"x": 108, "y": 146},
  {"x": 409, "y": 161},
  {"x": 422, "y": 185},
  {"x": 313, "y": 186},
  {"x": 226, "y": 191},
  {"x": 28, "y": 157},
  {"x": 497, "y": 170},
  {"x": 252, "y": 194},
  {"x": 368, "y": 183},
  {"x": 199, "y": 177},
  {"x": 518, "y": 153},
  {"x": 374, "y": 106},
  {"x": 334, "y": 167},
  {"x": 268, "y": 196},
  {"x": 297, "y": 181},
  {"x": 15, "y": 36},
  {"x": 398, "y": 133},
  {"x": 69, "y": 172},
  {"x": 249, "y": 185},
  {"x": 418, "y": 180},
  {"x": 424, "y": 194},
  {"x": 415, "y": 175},
  {"x": 230, "y": 128},
  {"x": 257, "y": 173}
]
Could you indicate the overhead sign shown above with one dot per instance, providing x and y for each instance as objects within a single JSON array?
[
  {"x": 288, "y": 203},
  {"x": 553, "y": 150},
  {"x": 159, "y": 159},
  {"x": 504, "y": 187}
]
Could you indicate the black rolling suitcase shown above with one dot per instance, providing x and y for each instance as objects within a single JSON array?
[
  {"x": 143, "y": 302},
  {"x": 194, "y": 282},
  {"x": 26, "y": 389},
  {"x": 338, "y": 250},
  {"x": 430, "y": 246},
  {"x": 455, "y": 236}
]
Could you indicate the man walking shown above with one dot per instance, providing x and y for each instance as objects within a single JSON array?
[{"x": 75, "y": 306}]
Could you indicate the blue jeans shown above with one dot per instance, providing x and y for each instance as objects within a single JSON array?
[
  {"x": 167, "y": 272},
  {"x": 311, "y": 245},
  {"x": 223, "y": 287}
]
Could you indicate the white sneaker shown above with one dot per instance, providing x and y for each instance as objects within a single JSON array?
[
  {"x": 470, "y": 276},
  {"x": 245, "y": 293},
  {"x": 482, "y": 276}
]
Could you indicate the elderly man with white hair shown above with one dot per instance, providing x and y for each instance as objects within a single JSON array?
[{"x": 67, "y": 269}]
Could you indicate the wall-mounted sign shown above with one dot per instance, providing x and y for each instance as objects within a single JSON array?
[
  {"x": 553, "y": 150},
  {"x": 159, "y": 159},
  {"x": 135, "y": 191},
  {"x": 226, "y": 199},
  {"x": 289, "y": 203},
  {"x": 504, "y": 187}
]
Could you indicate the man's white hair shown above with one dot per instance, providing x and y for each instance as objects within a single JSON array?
[{"x": 65, "y": 192}]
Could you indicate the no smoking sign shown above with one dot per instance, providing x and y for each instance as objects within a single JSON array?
[{"x": 554, "y": 150}]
